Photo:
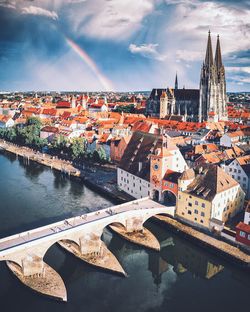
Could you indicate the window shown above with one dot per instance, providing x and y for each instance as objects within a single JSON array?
[
  {"x": 248, "y": 237},
  {"x": 238, "y": 177},
  {"x": 235, "y": 170},
  {"x": 230, "y": 169},
  {"x": 242, "y": 234},
  {"x": 189, "y": 212},
  {"x": 190, "y": 204},
  {"x": 239, "y": 171},
  {"x": 196, "y": 202},
  {"x": 203, "y": 214},
  {"x": 196, "y": 211},
  {"x": 203, "y": 205},
  {"x": 244, "y": 179},
  {"x": 233, "y": 176},
  {"x": 201, "y": 221}
]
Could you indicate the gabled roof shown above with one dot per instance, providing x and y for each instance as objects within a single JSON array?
[
  {"x": 243, "y": 227},
  {"x": 188, "y": 174},
  {"x": 209, "y": 181},
  {"x": 139, "y": 149},
  {"x": 172, "y": 176}
]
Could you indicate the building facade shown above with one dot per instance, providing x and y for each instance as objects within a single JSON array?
[
  {"x": 239, "y": 169},
  {"x": 212, "y": 104},
  {"x": 146, "y": 163},
  {"x": 208, "y": 196}
]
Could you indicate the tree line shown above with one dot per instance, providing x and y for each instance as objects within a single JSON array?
[{"x": 29, "y": 135}]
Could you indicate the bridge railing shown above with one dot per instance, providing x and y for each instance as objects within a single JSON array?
[{"x": 71, "y": 223}]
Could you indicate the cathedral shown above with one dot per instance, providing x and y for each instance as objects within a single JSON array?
[
  {"x": 206, "y": 103},
  {"x": 212, "y": 85}
]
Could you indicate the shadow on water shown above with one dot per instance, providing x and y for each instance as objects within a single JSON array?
[
  {"x": 60, "y": 180},
  {"x": 77, "y": 190},
  {"x": 32, "y": 170},
  {"x": 11, "y": 157}
]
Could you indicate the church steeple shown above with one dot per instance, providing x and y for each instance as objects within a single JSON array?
[
  {"x": 209, "y": 52},
  {"x": 218, "y": 58},
  {"x": 176, "y": 82}
]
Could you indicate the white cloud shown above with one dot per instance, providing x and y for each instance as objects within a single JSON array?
[
  {"x": 245, "y": 69},
  {"x": 188, "y": 55},
  {"x": 34, "y": 10},
  {"x": 11, "y": 4},
  {"x": 147, "y": 50},
  {"x": 193, "y": 19},
  {"x": 113, "y": 19}
]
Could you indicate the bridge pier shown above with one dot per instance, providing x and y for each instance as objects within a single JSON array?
[
  {"x": 81, "y": 236},
  {"x": 40, "y": 277},
  {"x": 93, "y": 251},
  {"x": 136, "y": 233},
  {"x": 33, "y": 266}
]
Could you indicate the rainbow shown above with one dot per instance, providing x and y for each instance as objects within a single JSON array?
[{"x": 104, "y": 81}]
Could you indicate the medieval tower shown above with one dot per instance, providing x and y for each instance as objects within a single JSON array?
[{"x": 212, "y": 105}]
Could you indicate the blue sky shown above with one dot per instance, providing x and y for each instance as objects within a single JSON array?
[{"x": 134, "y": 44}]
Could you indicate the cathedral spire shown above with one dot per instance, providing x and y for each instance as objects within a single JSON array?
[
  {"x": 218, "y": 58},
  {"x": 209, "y": 52},
  {"x": 176, "y": 82}
]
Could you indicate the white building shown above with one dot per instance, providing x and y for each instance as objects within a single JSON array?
[
  {"x": 6, "y": 121},
  {"x": 133, "y": 185},
  {"x": 239, "y": 169},
  {"x": 230, "y": 138},
  {"x": 145, "y": 162},
  {"x": 247, "y": 214}
]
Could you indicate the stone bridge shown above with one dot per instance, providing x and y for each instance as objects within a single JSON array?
[{"x": 24, "y": 252}]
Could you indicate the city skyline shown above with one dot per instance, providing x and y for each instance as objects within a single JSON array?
[{"x": 119, "y": 45}]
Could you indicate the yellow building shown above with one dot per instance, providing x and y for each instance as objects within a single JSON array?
[{"x": 208, "y": 196}]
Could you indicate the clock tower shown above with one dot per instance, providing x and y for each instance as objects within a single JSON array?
[{"x": 159, "y": 162}]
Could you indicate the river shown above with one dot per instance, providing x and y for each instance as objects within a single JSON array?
[{"x": 181, "y": 277}]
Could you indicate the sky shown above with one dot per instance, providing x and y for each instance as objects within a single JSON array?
[{"x": 119, "y": 45}]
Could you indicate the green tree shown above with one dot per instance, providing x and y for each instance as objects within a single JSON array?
[
  {"x": 126, "y": 109},
  {"x": 34, "y": 121},
  {"x": 102, "y": 154},
  {"x": 77, "y": 148}
]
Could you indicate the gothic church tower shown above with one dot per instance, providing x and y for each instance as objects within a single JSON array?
[{"x": 212, "y": 104}]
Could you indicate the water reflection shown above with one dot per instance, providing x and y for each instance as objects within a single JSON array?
[
  {"x": 32, "y": 171},
  {"x": 60, "y": 180},
  {"x": 180, "y": 276}
]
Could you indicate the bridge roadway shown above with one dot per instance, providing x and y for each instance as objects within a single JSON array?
[
  {"x": 24, "y": 253},
  {"x": 65, "y": 225}
]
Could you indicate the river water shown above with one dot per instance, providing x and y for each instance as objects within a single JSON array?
[{"x": 182, "y": 277}]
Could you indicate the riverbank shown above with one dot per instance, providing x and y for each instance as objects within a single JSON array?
[
  {"x": 103, "y": 180},
  {"x": 219, "y": 248},
  {"x": 97, "y": 178},
  {"x": 41, "y": 158}
]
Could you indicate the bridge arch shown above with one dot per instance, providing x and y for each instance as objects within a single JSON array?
[
  {"x": 118, "y": 224},
  {"x": 168, "y": 213},
  {"x": 168, "y": 198},
  {"x": 51, "y": 244}
]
